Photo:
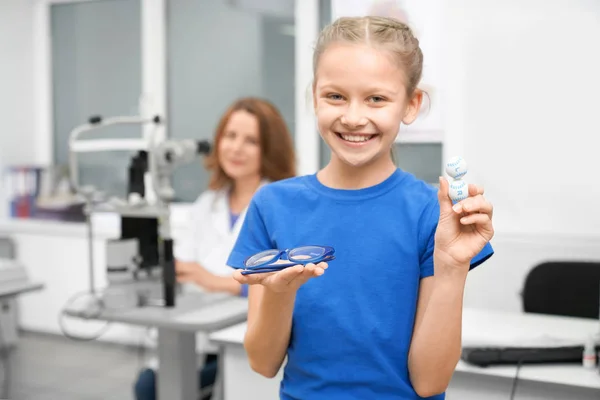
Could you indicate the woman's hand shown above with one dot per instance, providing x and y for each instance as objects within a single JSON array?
[
  {"x": 189, "y": 272},
  {"x": 463, "y": 229},
  {"x": 286, "y": 280}
]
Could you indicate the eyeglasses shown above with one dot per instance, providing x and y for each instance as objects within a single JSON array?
[{"x": 275, "y": 260}]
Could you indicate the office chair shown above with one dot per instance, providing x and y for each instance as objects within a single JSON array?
[{"x": 567, "y": 288}]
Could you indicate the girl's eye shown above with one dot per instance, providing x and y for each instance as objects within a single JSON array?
[
  {"x": 334, "y": 96},
  {"x": 377, "y": 99}
]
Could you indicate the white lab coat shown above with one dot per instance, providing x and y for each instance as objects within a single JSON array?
[
  {"x": 208, "y": 240},
  {"x": 210, "y": 237}
]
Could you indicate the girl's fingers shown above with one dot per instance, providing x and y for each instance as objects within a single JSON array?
[
  {"x": 295, "y": 274},
  {"x": 477, "y": 204},
  {"x": 311, "y": 271},
  {"x": 475, "y": 190},
  {"x": 478, "y": 219},
  {"x": 323, "y": 265},
  {"x": 289, "y": 274},
  {"x": 252, "y": 279}
]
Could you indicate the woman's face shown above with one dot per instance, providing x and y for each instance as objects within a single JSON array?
[{"x": 239, "y": 148}]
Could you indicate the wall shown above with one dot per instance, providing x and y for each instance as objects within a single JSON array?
[
  {"x": 16, "y": 83},
  {"x": 523, "y": 109},
  {"x": 521, "y": 106}
]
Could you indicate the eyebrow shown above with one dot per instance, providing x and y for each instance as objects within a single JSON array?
[
  {"x": 254, "y": 135},
  {"x": 370, "y": 89}
]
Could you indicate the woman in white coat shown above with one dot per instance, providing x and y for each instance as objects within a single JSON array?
[{"x": 252, "y": 146}]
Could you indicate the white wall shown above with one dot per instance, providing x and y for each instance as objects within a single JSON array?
[
  {"x": 16, "y": 82},
  {"x": 522, "y": 107}
]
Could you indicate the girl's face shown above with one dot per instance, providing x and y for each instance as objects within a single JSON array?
[
  {"x": 360, "y": 100},
  {"x": 239, "y": 147}
]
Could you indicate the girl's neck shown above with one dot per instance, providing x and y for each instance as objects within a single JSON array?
[
  {"x": 339, "y": 175},
  {"x": 241, "y": 193}
]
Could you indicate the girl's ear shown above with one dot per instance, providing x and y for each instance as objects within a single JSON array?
[{"x": 413, "y": 107}]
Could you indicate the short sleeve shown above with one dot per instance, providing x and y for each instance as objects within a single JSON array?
[
  {"x": 427, "y": 228},
  {"x": 253, "y": 237}
]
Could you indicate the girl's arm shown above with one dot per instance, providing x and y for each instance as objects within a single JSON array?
[
  {"x": 269, "y": 328},
  {"x": 463, "y": 230},
  {"x": 271, "y": 301},
  {"x": 436, "y": 345}
]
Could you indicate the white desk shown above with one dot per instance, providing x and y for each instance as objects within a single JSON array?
[
  {"x": 480, "y": 327},
  {"x": 177, "y": 327},
  {"x": 237, "y": 378}
]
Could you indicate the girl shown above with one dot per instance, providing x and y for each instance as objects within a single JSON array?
[
  {"x": 383, "y": 320},
  {"x": 252, "y": 145}
]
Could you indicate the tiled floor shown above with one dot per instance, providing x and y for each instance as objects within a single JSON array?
[{"x": 55, "y": 368}]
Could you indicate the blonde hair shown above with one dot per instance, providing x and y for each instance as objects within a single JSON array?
[{"x": 383, "y": 32}]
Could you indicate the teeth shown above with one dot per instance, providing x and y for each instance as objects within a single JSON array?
[{"x": 356, "y": 138}]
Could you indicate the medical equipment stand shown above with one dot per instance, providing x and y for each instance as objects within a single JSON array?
[{"x": 162, "y": 159}]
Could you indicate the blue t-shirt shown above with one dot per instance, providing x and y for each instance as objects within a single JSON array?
[
  {"x": 352, "y": 327},
  {"x": 233, "y": 217}
]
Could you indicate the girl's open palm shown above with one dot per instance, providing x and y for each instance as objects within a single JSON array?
[
  {"x": 286, "y": 280},
  {"x": 463, "y": 229}
]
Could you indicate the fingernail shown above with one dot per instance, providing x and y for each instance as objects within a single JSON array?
[{"x": 457, "y": 207}]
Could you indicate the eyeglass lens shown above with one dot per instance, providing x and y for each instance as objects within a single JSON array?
[
  {"x": 261, "y": 257},
  {"x": 306, "y": 252}
]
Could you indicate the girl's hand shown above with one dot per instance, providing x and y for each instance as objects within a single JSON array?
[
  {"x": 463, "y": 229},
  {"x": 286, "y": 280}
]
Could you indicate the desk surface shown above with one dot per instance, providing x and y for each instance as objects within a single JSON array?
[
  {"x": 18, "y": 287},
  {"x": 490, "y": 327},
  {"x": 192, "y": 313}
]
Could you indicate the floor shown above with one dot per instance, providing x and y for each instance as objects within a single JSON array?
[{"x": 46, "y": 367}]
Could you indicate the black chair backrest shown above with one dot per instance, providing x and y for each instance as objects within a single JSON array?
[{"x": 569, "y": 288}]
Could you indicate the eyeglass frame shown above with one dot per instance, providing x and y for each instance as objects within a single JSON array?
[{"x": 328, "y": 255}]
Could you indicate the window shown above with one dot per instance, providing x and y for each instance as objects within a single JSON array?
[
  {"x": 96, "y": 64},
  {"x": 218, "y": 51},
  {"x": 423, "y": 160}
]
